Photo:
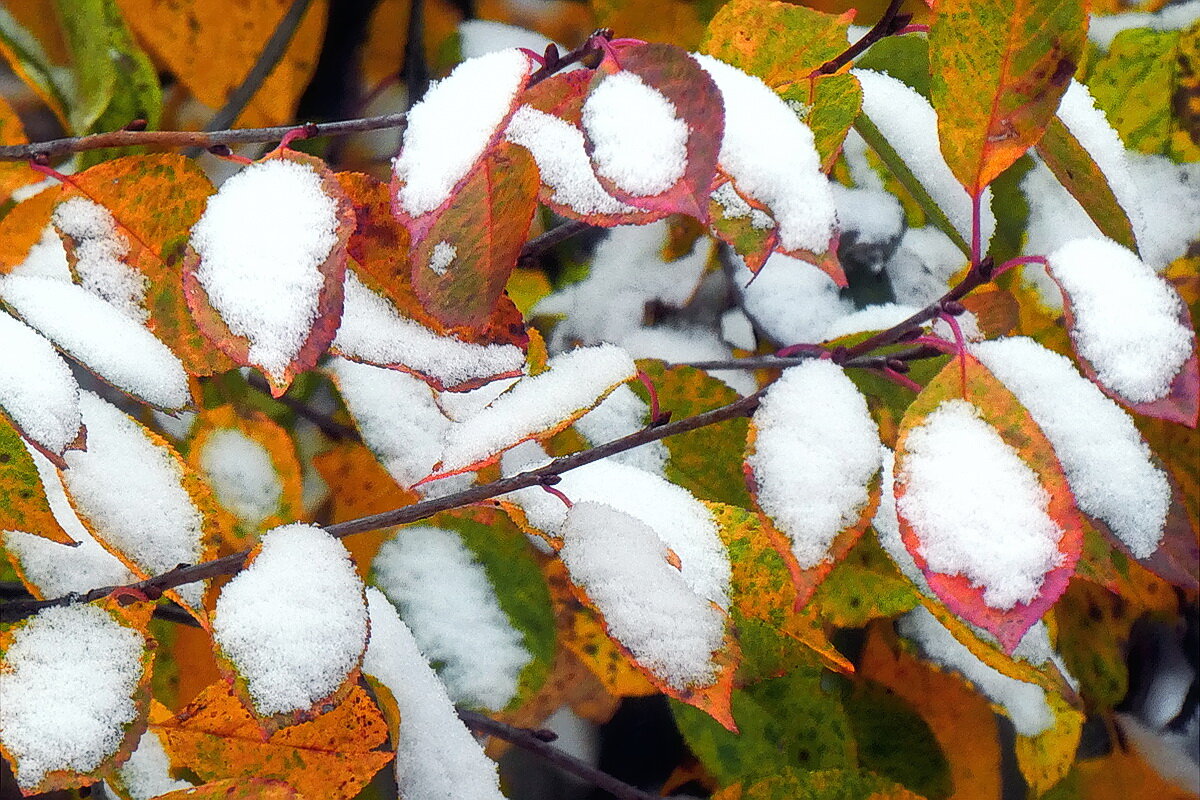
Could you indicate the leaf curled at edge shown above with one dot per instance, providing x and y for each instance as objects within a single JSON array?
[
  {"x": 999, "y": 70},
  {"x": 23, "y": 502},
  {"x": 329, "y": 303},
  {"x": 1000, "y": 409},
  {"x": 674, "y": 74},
  {"x": 331, "y": 757}
]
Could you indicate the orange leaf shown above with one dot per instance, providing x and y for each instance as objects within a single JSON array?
[
  {"x": 154, "y": 201},
  {"x": 184, "y": 36},
  {"x": 22, "y": 227},
  {"x": 237, "y": 789},
  {"x": 332, "y": 757},
  {"x": 999, "y": 70},
  {"x": 13, "y": 174}
]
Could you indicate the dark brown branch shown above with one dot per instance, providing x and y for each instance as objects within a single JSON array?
[
  {"x": 531, "y": 741},
  {"x": 891, "y": 22},
  {"x": 228, "y": 565},
  {"x": 559, "y": 233}
]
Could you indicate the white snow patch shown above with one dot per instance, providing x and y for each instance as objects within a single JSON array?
[
  {"x": 1107, "y": 464},
  {"x": 97, "y": 335},
  {"x": 1103, "y": 28},
  {"x": 261, "y": 241},
  {"x": 734, "y": 206},
  {"x": 771, "y": 156},
  {"x": 442, "y": 257},
  {"x": 437, "y": 758},
  {"x": 646, "y": 603},
  {"x": 680, "y": 344},
  {"x": 452, "y": 125},
  {"x": 479, "y": 37},
  {"x": 618, "y": 415},
  {"x": 875, "y": 216},
  {"x": 444, "y": 595},
  {"x": 737, "y": 330},
  {"x": 816, "y": 450},
  {"x": 68, "y": 683},
  {"x": 976, "y": 508},
  {"x": 460, "y": 405},
  {"x": 46, "y": 259},
  {"x": 129, "y": 489},
  {"x": 638, "y": 140},
  {"x": 147, "y": 773},
  {"x": 242, "y": 475},
  {"x": 372, "y": 330},
  {"x": 293, "y": 623},
  {"x": 921, "y": 268},
  {"x": 1126, "y": 318},
  {"x": 37, "y": 391},
  {"x": 791, "y": 300},
  {"x": 100, "y": 249}
]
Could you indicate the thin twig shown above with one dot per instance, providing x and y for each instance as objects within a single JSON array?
[
  {"x": 329, "y": 426},
  {"x": 531, "y": 741},
  {"x": 889, "y": 23},
  {"x": 559, "y": 233}
]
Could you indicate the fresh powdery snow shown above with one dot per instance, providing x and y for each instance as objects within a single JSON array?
[
  {"x": 262, "y": 240},
  {"x": 647, "y": 605},
  {"x": 1107, "y": 464},
  {"x": 46, "y": 259},
  {"x": 791, "y": 300},
  {"x": 573, "y": 381},
  {"x": 293, "y": 622},
  {"x": 678, "y": 344},
  {"x": 100, "y": 249},
  {"x": 100, "y": 337},
  {"x": 242, "y": 475},
  {"x": 478, "y": 37},
  {"x": 397, "y": 416},
  {"x": 976, "y": 508},
  {"x": 1126, "y": 318},
  {"x": 887, "y": 525},
  {"x": 638, "y": 140},
  {"x": 816, "y": 450},
  {"x": 437, "y": 758},
  {"x": 445, "y": 597},
  {"x": 771, "y": 157},
  {"x": 147, "y": 773},
  {"x": 129, "y": 489},
  {"x": 373, "y": 331},
  {"x": 558, "y": 148},
  {"x": 37, "y": 391},
  {"x": 68, "y": 683},
  {"x": 909, "y": 123},
  {"x": 618, "y": 415},
  {"x": 1025, "y": 703},
  {"x": 452, "y": 125}
]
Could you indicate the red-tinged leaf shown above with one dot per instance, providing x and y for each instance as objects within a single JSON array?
[
  {"x": 328, "y": 305},
  {"x": 744, "y": 225},
  {"x": 675, "y": 75},
  {"x": 23, "y": 503},
  {"x": 561, "y": 94},
  {"x": 999, "y": 70},
  {"x": 333, "y": 757},
  {"x": 1079, "y": 174},
  {"x": 154, "y": 201},
  {"x": 460, "y": 266},
  {"x": 237, "y": 789},
  {"x": 965, "y": 379}
]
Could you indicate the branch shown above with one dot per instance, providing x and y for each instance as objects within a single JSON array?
[
  {"x": 536, "y": 742},
  {"x": 545, "y": 475},
  {"x": 543, "y": 242},
  {"x": 891, "y": 22}
]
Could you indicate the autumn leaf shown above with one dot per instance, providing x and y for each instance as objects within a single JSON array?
[
  {"x": 27, "y": 223},
  {"x": 237, "y": 789},
  {"x": 821, "y": 783},
  {"x": 13, "y": 174},
  {"x": 999, "y": 71},
  {"x": 1046, "y": 759},
  {"x": 23, "y": 503},
  {"x": 333, "y": 756}
]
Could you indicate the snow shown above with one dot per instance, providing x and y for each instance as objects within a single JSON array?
[
  {"x": 293, "y": 622},
  {"x": 734, "y": 206},
  {"x": 771, "y": 157},
  {"x": 100, "y": 249},
  {"x": 97, "y": 335},
  {"x": 737, "y": 330},
  {"x": 57, "y": 569},
  {"x": 676, "y": 517},
  {"x": 976, "y": 508},
  {"x": 646, "y": 603},
  {"x": 573, "y": 381},
  {"x": 1103, "y": 28},
  {"x": 442, "y": 257},
  {"x": 262, "y": 240},
  {"x": 678, "y": 344},
  {"x": 128, "y": 488},
  {"x": 792, "y": 301},
  {"x": 627, "y": 272},
  {"x": 68, "y": 683},
  {"x": 372, "y": 330},
  {"x": 37, "y": 391},
  {"x": 242, "y": 475},
  {"x": 396, "y": 415},
  {"x": 909, "y": 123},
  {"x": 1126, "y": 318},
  {"x": 873, "y": 215},
  {"x": 887, "y": 525},
  {"x": 147, "y": 773},
  {"x": 444, "y": 595},
  {"x": 637, "y": 139},
  {"x": 1171, "y": 203},
  {"x": 921, "y": 268},
  {"x": 460, "y": 405},
  {"x": 1024, "y": 703},
  {"x": 478, "y": 37},
  {"x": 558, "y": 148},
  {"x": 885, "y": 315},
  {"x": 816, "y": 449},
  {"x": 1108, "y": 465},
  {"x": 618, "y": 415},
  {"x": 46, "y": 259},
  {"x": 437, "y": 758},
  {"x": 453, "y": 124}
]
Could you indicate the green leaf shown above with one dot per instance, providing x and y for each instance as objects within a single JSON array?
[
  {"x": 779, "y": 42},
  {"x": 117, "y": 83},
  {"x": 786, "y": 722},
  {"x": 831, "y": 104},
  {"x": 831, "y": 784},
  {"x": 905, "y": 58},
  {"x": 895, "y": 742},
  {"x": 1144, "y": 84},
  {"x": 999, "y": 69},
  {"x": 864, "y": 586}
]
